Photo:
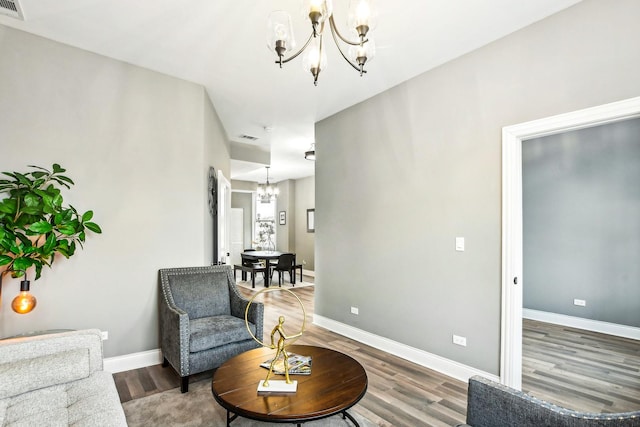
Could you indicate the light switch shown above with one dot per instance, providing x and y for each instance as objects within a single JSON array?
[{"x": 460, "y": 244}]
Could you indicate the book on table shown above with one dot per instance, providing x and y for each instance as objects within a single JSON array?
[{"x": 298, "y": 365}]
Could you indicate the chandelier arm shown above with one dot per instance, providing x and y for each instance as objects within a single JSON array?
[
  {"x": 333, "y": 33},
  {"x": 332, "y": 24},
  {"x": 295, "y": 55}
]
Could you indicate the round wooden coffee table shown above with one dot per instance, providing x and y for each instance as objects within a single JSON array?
[{"x": 337, "y": 382}]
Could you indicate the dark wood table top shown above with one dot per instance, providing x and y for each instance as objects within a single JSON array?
[
  {"x": 337, "y": 382},
  {"x": 263, "y": 254}
]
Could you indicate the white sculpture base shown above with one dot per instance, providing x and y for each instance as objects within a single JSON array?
[{"x": 279, "y": 386}]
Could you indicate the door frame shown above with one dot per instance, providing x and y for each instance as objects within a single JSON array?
[
  {"x": 224, "y": 218},
  {"x": 512, "y": 278}
]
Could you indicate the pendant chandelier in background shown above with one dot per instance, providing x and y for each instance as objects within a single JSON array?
[{"x": 267, "y": 192}]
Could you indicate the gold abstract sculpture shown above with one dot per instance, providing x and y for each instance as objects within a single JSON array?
[{"x": 284, "y": 340}]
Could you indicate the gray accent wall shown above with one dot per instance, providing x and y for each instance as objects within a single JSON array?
[
  {"x": 401, "y": 175},
  {"x": 138, "y": 144},
  {"x": 581, "y": 224}
]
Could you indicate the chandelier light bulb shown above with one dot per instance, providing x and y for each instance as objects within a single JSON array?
[
  {"x": 362, "y": 17},
  {"x": 280, "y": 33},
  {"x": 363, "y": 53},
  {"x": 318, "y": 11},
  {"x": 315, "y": 5},
  {"x": 363, "y": 12},
  {"x": 315, "y": 59}
]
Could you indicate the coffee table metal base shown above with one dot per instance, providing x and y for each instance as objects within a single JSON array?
[{"x": 231, "y": 416}]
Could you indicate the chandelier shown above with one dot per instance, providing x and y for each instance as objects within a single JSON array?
[
  {"x": 267, "y": 192},
  {"x": 361, "y": 19}
]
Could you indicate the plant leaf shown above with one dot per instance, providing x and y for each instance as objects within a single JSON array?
[
  {"x": 8, "y": 206},
  {"x": 87, "y": 216},
  {"x": 41, "y": 227},
  {"x": 31, "y": 200},
  {"x": 21, "y": 263},
  {"x": 50, "y": 243},
  {"x": 4, "y": 259},
  {"x": 66, "y": 179},
  {"x": 67, "y": 230},
  {"x": 93, "y": 227}
]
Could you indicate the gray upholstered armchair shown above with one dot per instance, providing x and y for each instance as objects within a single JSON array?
[
  {"x": 202, "y": 319},
  {"x": 490, "y": 404}
]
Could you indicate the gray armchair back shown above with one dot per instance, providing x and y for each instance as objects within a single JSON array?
[
  {"x": 202, "y": 319},
  {"x": 491, "y": 404}
]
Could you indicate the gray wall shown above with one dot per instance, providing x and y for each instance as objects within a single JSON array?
[
  {"x": 243, "y": 201},
  {"x": 304, "y": 242},
  {"x": 138, "y": 144},
  {"x": 581, "y": 224},
  {"x": 400, "y": 176}
]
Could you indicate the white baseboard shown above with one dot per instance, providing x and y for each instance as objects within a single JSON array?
[
  {"x": 420, "y": 357},
  {"x": 310, "y": 273},
  {"x": 581, "y": 323},
  {"x": 128, "y": 362},
  {"x": 445, "y": 366}
]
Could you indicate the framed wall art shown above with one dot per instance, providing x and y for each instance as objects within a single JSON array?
[{"x": 311, "y": 221}]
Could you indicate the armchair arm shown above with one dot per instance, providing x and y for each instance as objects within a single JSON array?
[
  {"x": 174, "y": 333},
  {"x": 239, "y": 306}
]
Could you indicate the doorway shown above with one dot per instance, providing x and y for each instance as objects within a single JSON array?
[
  {"x": 512, "y": 264},
  {"x": 237, "y": 235}
]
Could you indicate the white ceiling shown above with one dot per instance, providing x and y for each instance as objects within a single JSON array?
[{"x": 221, "y": 44}]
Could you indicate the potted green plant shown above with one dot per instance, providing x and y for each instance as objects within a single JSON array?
[{"x": 35, "y": 225}]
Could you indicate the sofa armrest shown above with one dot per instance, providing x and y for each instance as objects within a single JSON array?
[
  {"x": 19, "y": 348},
  {"x": 34, "y": 362}
]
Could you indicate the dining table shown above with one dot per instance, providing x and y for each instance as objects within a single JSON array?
[{"x": 265, "y": 256}]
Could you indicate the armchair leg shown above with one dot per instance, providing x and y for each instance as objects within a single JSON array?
[{"x": 184, "y": 384}]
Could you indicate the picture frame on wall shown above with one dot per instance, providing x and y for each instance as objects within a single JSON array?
[
  {"x": 283, "y": 218},
  {"x": 311, "y": 220}
]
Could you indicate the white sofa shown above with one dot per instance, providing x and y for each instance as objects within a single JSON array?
[{"x": 57, "y": 380}]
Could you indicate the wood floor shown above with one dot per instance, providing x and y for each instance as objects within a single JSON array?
[
  {"x": 580, "y": 369},
  {"x": 557, "y": 366}
]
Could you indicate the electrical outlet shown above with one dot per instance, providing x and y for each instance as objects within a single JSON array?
[
  {"x": 580, "y": 302},
  {"x": 105, "y": 335},
  {"x": 354, "y": 310},
  {"x": 460, "y": 340}
]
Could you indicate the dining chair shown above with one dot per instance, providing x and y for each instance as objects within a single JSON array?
[
  {"x": 286, "y": 263},
  {"x": 250, "y": 265}
]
